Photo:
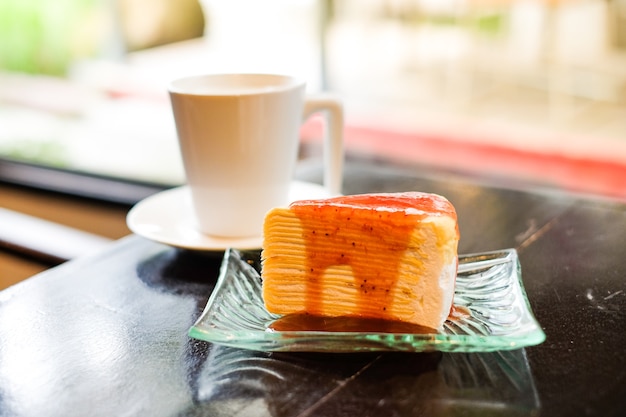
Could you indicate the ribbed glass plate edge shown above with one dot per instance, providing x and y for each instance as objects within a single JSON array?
[{"x": 489, "y": 285}]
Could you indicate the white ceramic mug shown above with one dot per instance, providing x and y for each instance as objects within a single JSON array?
[{"x": 239, "y": 137}]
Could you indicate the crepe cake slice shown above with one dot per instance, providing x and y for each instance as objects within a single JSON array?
[{"x": 390, "y": 256}]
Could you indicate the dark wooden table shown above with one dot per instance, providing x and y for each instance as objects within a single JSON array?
[{"x": 106, "y": 335}]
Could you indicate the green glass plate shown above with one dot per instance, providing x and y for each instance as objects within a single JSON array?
[{"x": 489, "y": 286}]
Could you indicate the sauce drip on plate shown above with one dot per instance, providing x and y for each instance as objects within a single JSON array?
[{"x": 306, "y": 322}]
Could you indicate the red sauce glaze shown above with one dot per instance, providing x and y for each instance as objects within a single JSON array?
[
  {"x": 332, "y": 223},
  {"x": 430, "y": 204}
]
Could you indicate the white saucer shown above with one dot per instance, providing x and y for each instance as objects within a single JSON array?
[{"x": 167, "y": 217}]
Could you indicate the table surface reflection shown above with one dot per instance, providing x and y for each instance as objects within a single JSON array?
[{"x": 107, "y": 334}]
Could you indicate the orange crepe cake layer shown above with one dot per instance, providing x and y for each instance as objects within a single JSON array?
[{"x": 386, "y": 256}]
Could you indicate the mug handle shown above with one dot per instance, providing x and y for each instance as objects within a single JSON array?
[{"x": 332, "y": 110}]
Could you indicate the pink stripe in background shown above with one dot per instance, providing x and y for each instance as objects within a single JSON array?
[{"x": 589, "y": 175}]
